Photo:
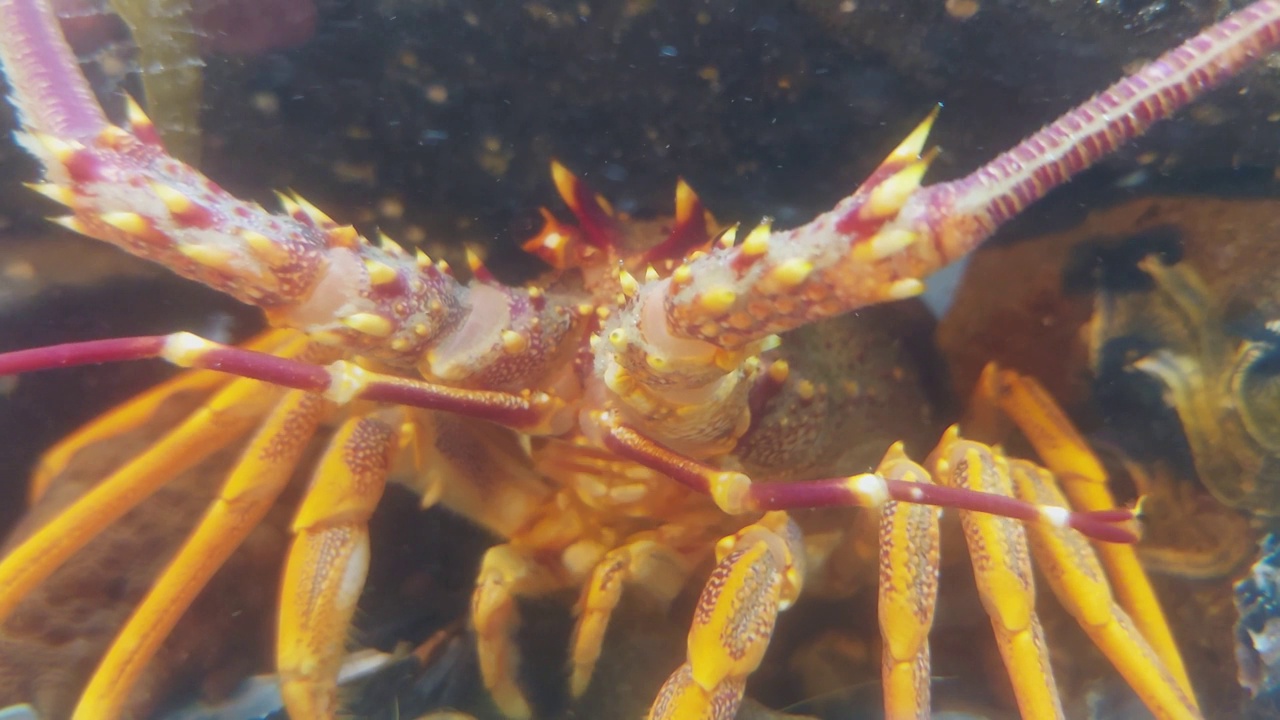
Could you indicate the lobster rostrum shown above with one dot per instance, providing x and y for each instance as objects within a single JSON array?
[{"x": 657, "y": 374}]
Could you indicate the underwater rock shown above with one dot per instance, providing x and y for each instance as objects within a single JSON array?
[{"x": 1257, "y": 598}]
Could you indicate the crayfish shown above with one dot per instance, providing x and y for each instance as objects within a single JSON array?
[{"x": 647, "y": 397}]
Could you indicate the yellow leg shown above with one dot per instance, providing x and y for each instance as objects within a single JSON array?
[
  {"x": 249, "y": 492},
  {"x": 1082, "y": 476},
  {"x": 909, "y": 557},
  {"x": 226, "y": 417},
  {"x": 135, "y": 412},
  {"x": 1002, "y": 569},
  {"x": 759, "y": 573},
  {"x": 506, "y": 573},
  {"x": 117, "y": 421},
  {"x": 1073, "y": 571},
  {"x": 644, "y": 563},
  {"x": 329, "y": 559},
  {"x": 683, "y": 699}
]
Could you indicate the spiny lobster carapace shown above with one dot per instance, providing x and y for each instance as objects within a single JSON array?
[{"x": 658, "y": 375}]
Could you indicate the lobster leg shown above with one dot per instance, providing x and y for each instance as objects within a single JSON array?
[
  {"x": 759, "y": 574},
  {"x": 647, "y": 563},
  {"x": 134, "y": 413},
  {"x": 249, "y": 492},
  {"x": 1077, "y": 579},
  {"x": 681, "y": 698},
  {"x": 736, "y": 494},
  {"x": 1002, "y": 569},
  {"x": 341, "y": 381},
  {"x": 1085, "y": 482},
  {"x": 227, "y": 416},
  {"x": 908, "y": 592},
  {"x": 329, "y": 559},
  {"x": 506, "y": 573},
  {"x": 119, "y": 420}
]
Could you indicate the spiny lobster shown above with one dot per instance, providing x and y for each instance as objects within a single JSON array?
[{"x": 668, "y": 401}]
